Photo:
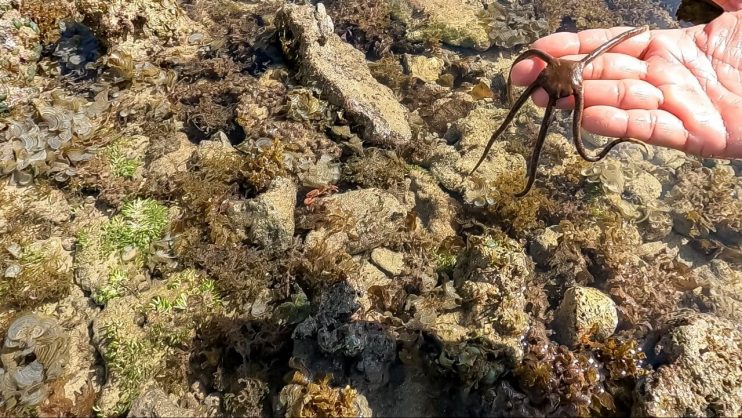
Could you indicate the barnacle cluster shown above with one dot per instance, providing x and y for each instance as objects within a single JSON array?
[
  {"x": 53, "y": 140},
  {"x": 35, "y": 352}
]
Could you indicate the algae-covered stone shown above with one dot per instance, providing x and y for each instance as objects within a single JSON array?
[
  {"x": 701, "y": 373},
  {"x": 390, "y": 261},
  {"x": 645, "y": 186},
  {"x": 271, "y": 215},
  {"x": 341, "y": 72},
  {"x": 451, "y": 165},
  {"x": 114, "y": 20},
  {"x": 585, "y": 311},
  {"x": 455, "y": 22},
  {"x": 424, "y": 68},
  {"x": 373, "y": 217},
  {"x": 135, "y": 353},
  {"x": 153, "y": 402},
  {"x": 436, "y": 209}
]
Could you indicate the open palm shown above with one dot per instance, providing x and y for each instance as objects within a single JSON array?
[{"x": 678, "y": 88}]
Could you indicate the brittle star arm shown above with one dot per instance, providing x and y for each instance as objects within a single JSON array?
[
  {"x": 513, "y": 110},
  {"x": 613, "y": 42},
  {"x": 548, "y": 59},
  {"x": 548, "y": 118}
]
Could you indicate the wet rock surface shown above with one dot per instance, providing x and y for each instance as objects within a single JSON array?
[
  {"x": 342, "y": 73},
  {"x": 265, "y": 209},
  {"x": 701, "y": 372},
  {"x": 272, "y": 215},
  {"x": 584, "y": 312}
]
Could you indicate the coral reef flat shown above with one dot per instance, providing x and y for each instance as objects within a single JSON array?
[{"x": 218, "y": 208}]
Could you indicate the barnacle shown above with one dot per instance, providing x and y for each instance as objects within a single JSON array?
[{"x": 35, "y": 353}]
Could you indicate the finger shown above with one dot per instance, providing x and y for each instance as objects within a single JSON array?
[
  {"x": 577, "y": 45},
  {"x": 622, "y": 94},
  {"x": 584, "y": 42},
  {"x": 656, "y": 127},
  {"x": 609, "y": 66}
]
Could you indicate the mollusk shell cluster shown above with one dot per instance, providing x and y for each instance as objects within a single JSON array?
[
  {"x": 34, "y": 353},
  {"x": 48, "y": 142}
]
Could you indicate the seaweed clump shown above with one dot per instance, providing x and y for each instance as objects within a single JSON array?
[
  {"x": 373, "y": 27},
  {"x": 524, "y": 215},
  {"x": 376, "y": 168},
  {"x": 595, "y": 378},
  {"x": 707, "y": 202},
  {"x": 36, "y": 273},
  {"x": 302, "y": 398}
]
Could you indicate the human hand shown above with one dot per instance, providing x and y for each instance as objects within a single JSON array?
[{"x": 678, "y": 88}]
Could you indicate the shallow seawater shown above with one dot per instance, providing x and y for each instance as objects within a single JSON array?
[{"x": 194, "y": 202}]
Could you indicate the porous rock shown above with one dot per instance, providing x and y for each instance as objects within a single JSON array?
[
  {"x": 702, "y": 370},
  {"x": 455, "y": 22},
  {"x": 424, "y": 68},
  {"x": 390, "y": 261},
  {"x": 585, "y": 311},
  {"x": 341, "y": 72},
  {"x": 376, "y": 217},
  {"x": 436, "y": 209},
  {"x": 153, "y": 402},
  {"x": 271, "y": 215}
]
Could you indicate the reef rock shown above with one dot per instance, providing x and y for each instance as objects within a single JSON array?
[
  {"x": 35, "y": 353},
  {"x": 153, "y": 402},
  {"x": 585, "y": 311},
  {"x": 390, "y": 261},
  {"x": 341, "y": 72},
  {"x": 436, "y": 210},
  {"x": 702, "y": 370},
  {"x": 373, "y": 217},
  {"x": 424, "y": 68},
  {"x": 271, "y": 215},
  {"x": 455, "y": 22}
]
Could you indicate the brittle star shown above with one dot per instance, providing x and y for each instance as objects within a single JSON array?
[{"x": 561, "y": 78}]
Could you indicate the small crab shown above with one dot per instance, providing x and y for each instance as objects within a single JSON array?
[
  {"x": 313, "y": 195},
  {"x": 561, "y": 78}
]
